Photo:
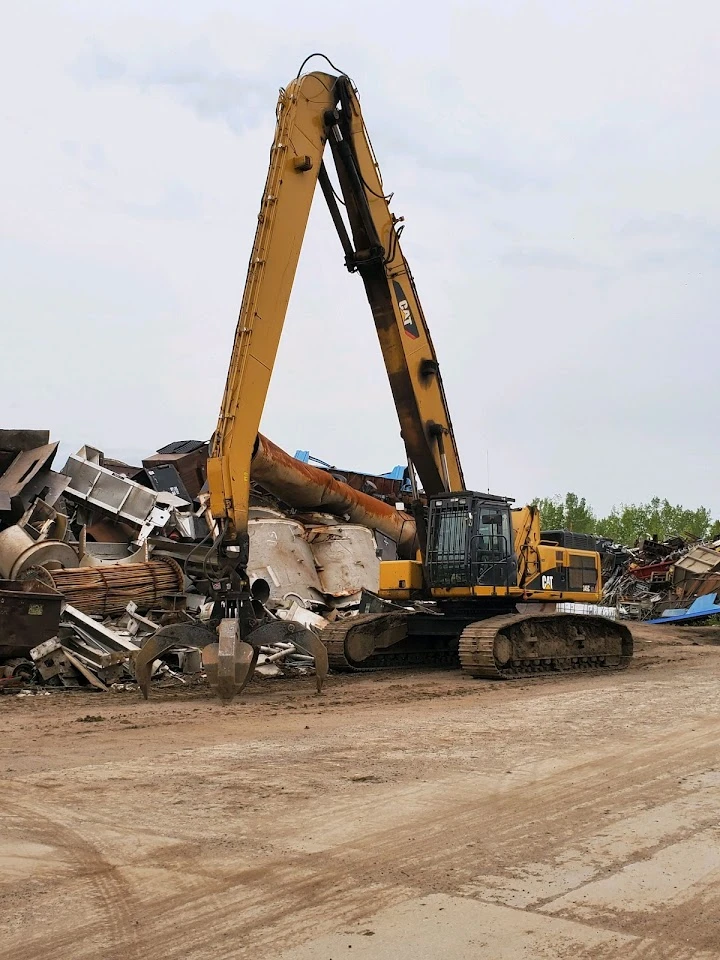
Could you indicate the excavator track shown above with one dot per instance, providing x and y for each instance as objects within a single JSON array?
[
  {"x": 511, "y": 647},
  {"x": 334, "y": 636},
  {"x": 351, "y": 645},
  {"x": 498, "y": 648}
]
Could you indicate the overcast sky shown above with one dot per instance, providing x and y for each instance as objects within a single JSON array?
[{"x": 557, "y": 167}]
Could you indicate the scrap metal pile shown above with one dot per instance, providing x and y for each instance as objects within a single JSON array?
[
  {"x": 675, "y": 579},
  {"x": 98, "y": 556}
]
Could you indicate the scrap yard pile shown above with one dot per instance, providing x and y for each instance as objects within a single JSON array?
[
  {"x": 96, "y": 557},
  {"x": 664, "y": 581},
  {"x": 100, "y": 557}
]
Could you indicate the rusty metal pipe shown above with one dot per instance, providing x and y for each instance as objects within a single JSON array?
[
  {"x": 106, "y": 590},
  {"x": 304, "y": 487}
]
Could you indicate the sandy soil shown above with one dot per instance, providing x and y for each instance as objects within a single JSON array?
[{"x": 415, "y": 815}]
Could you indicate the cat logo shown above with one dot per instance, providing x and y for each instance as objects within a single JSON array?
[
  {"x": 547, "y": 583},
  {"x": 409, "y": 325}
]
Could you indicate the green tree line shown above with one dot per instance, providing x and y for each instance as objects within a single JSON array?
[{"x": 629, "y": 522}]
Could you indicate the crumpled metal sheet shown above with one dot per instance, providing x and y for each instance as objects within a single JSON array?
[
  {"x": 281, "y": 555},
  {"x": 25, "y": 477},
  {"x": 116, "y": 496},
  {"x": 700, "y": 560},
  {"x": 346, "y": 559},
  {"x": 697, "y": 572}
]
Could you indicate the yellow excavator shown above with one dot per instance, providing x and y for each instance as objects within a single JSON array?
[{"x": 478, "y": 557}]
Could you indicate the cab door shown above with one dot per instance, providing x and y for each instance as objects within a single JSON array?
[{"x": 492, "y": 561}]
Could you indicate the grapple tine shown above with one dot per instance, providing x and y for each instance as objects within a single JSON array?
[
  {"x": 229, "y": 663},
  {"x": 175, "y": 634},
  {"x": 144, "y": 660},
  {"x": 287, "y": 631},
  {"x": 311, "y": 644}
]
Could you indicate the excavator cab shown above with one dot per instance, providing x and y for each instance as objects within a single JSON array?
[{"x": 470, "y": 542}]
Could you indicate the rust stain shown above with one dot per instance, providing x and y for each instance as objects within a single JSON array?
[{"x": 305, "y": 487}]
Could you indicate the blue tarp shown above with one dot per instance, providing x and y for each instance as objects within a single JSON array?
[{"x": 706, "y": 606}]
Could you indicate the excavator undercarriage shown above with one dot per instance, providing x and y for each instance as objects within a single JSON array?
[{"x": 503, "y": 647}]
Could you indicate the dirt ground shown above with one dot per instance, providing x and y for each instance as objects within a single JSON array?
[{"x": 399, "y": 815}]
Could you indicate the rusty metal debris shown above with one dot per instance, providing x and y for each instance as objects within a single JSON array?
[
  {"x": 106, "y": 589},
  {"x": 121, "y": 559},
  {"x": 655, "y": 577},
  {"x": 305, "y": 487},
  {"x": 390, "y": 487}
]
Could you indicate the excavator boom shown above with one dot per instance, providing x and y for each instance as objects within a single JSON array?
[
  {"x": 407, "y": 349},
  {"x": 312, "y": 110},
  {"x": 295, "y": 158}
]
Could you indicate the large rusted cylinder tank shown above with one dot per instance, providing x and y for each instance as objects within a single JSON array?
[{"x": 304, "y": 487}]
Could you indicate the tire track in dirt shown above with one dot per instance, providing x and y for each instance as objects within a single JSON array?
[
  {"x": 111, "y": 892},
  {"x": 430, "y": 854},
  {"x": 291, "y": 895}
]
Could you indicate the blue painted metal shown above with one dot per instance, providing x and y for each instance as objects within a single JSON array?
[
  {"x": 305, "y": 457},
  {"x": 396, "y": 473},
  {"x": 701, "y": 608}
]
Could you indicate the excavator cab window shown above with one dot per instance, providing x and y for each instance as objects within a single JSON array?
[
  {"x": 491, "y": 561},
  {"x": 469, "y": 542},
  {"x": 450, "y": 529}
]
